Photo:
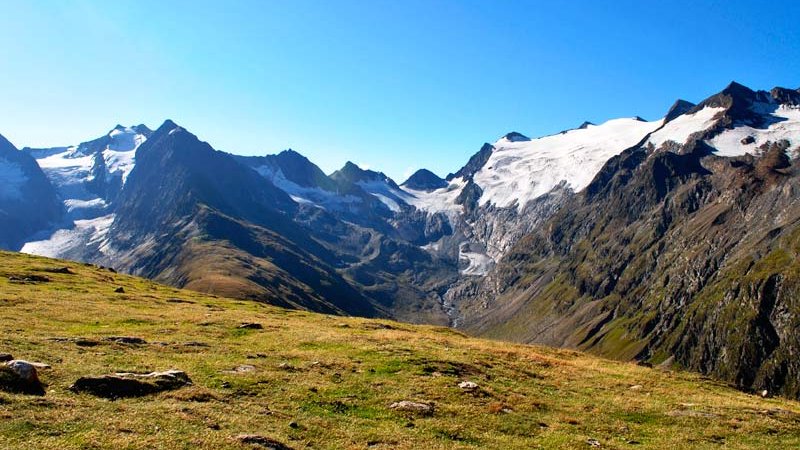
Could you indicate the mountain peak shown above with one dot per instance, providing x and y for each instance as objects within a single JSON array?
[
  {"x": 516, "y": 137},
  {"x": 679, "y": 108},
  {"x": 586, "y": 124},
  {"x": 424, "y": 180}
]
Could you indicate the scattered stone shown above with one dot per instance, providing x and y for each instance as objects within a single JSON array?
[
  {"x": 748, "y": 140},
  {"x": 28, "y": 279},
  {"x": 294, "y": 425},
  {"x": 243, "y": 368},
  {"x": 195, "y": 344},
  {"x": 4, "y": 357},
  {"x": 764, "y": 393},
  {"x": 424, "y": 409},
  {"x": 286, "y": 366},
  {"x": 256, "y": 356},
  {"x": 593, "y": 443},
  {"x": 262, "y": 441},
  {"x": 251, "y": 326},
  {"x": 119, "y": 290},
  {"x": 124, "y": 385},
  {"x": 17, "y": 376},
  {"x": 178, "y": 300},
  {"x": 636, "y": 387},
  {"x": 468, "y": 386},
  {"x": 130, "y": 340}
]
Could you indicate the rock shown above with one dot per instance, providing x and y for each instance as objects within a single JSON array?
[
  {"x": 424, "y": 409},
  {"x": 748, "y": 140},
  {"x": 262, "y": 441},
  {"x": 764, "y": 393},
  {"x": 81, "y": 342},
  {"x": 286, "y": 366},
  {"x": 4, "y": 357},
  {"x": 119, "y": 290},
  {"x": 468, "y": 386},
  {"x": 593, "y": 443},
  {"x": 636, "y": 387},
  {"x": 294, "y": 425},
  {"x": 251, "y": 326},
  {"x": 64, "y": 270},
  {"x": 124, "y": 385},
  {"x": 17, "y": 376},
  {"x": 126, "y": 340}
]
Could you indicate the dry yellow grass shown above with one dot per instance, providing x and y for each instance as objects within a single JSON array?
[{"x": 333, "y": 379}]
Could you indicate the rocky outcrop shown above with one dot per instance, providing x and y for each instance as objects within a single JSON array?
[{"x": 125, "y": 385}]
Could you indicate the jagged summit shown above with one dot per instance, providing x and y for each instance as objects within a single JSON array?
[
  {"x": 679, "y": 108},
  {"x": 424, "y": 180},
  {"x": 586, "y": 124},
  {"x": 516, "y": 137}
]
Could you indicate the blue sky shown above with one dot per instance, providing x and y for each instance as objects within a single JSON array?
[{"x": 393, "y": 85}]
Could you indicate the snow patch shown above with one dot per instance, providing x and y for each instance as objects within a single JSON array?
[
  {"x": 302, "y": 194},
  {"x": 439, "y": 200},
  {"x": 679, "y": 129},
  {"x": 786, "y": 127},
  {"x": 479, "y": 264},
  {"x": 61, "y": 242}
]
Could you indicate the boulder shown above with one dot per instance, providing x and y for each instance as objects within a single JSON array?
[
  {"x": 17, "y": 376},
  {"x": 468, "y": 386},
  {"x": 262, "y": 441},
  {"x": 251, "y": 326},
  {"x": 4, "y": 357},
  {"x": 423, "y": 409},
  {"x": 124, "y": 385}
]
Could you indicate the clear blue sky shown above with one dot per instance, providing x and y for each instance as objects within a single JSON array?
[{"x": 394, "y": 85}]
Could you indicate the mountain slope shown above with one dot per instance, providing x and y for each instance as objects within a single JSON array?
[
  {"x": 683, "y": 248},
  {"x": 193, "y": 216},
  {"x": 315, "y": 381},
  {"x": 28, "y": 202}
]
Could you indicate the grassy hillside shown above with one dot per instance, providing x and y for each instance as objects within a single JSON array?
[{"x": 316, "y": 381}]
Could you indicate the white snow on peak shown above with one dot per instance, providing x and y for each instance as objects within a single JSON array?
[
  {"x": 679, "y": 129},
  {"x": 11, "y": 179},
  {"x": 70, "y": 169},
  {"x": 439, "y": 200},
  {"x": 518, "y": 172},
  {"x": 785, "y": 126}
]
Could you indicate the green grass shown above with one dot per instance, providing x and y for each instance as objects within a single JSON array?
[{"x": 340, "y": 376}]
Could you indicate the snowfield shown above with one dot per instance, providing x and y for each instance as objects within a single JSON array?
[
  {"x": 70, "y": 169},
  {"x": 785, "y": 127},
  {"x": 679, "y": 129}
]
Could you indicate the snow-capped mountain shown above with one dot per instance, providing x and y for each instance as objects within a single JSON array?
[
  {"x": 87, "y": 177},
  {"x": 543, "y": 239}
]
